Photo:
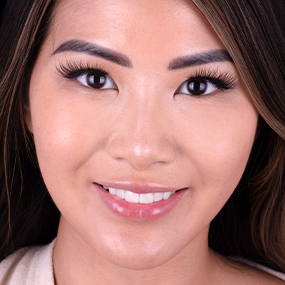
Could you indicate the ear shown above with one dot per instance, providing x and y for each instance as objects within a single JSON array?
[{"x": 27, "y": 117}]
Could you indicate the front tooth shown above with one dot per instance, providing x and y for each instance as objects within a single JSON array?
[
  {"x": 157, "y": 197},
  {"x": 166, "y": 195},
  {"x": 146, "y": 198},
  {"x": 120, "y": 193},
  {"x": 132, "y": 197}
]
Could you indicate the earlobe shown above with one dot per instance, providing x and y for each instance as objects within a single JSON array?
[{"x": 27, "y": 117}]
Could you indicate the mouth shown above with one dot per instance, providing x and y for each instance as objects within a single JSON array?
[
  {"x": 137, "y": 198},
  {"x": 149, "y": 204}
]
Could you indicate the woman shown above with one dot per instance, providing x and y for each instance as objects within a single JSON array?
[{"x": 157, "y": 128}]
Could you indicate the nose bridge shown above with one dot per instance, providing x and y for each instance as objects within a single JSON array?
[{"x": 141, "y": 137}]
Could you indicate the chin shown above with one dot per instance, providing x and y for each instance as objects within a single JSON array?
[{"x": 139, "y": 261}]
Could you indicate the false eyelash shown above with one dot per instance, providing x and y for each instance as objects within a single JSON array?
[
  {"x": 74, "y": 69},
  {"x": 223, "y": 81}
]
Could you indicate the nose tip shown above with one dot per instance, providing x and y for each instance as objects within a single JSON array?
[
  {"x": 142, "y": 135},
  {"x": 141, "y": 153}
]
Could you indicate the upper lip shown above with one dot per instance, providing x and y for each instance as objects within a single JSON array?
[{"x": 146, "y": 187}]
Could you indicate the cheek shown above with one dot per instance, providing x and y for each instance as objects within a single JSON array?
[
  {"x": 57, "y": 134},
  {"x": 225, "y": 153},
  {"x": 231, "y": 147},
  {"x": 67, "y": 131},
  {"x": 218, "y": 142}
]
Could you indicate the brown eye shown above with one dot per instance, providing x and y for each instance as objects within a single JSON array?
[
  {"x": 97, "y": 79},
  {"x": 196, "y": 87}
]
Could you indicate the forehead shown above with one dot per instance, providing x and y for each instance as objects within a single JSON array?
[{"x": 146, "y": 26}]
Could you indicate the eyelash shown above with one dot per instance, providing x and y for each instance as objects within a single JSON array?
[
  {"x": 222, "y": 81},
  {"x": 73, "y": 69}
]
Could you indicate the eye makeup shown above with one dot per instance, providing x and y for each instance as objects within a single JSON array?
[
  {"x": 199, "y": 83},
  {"x": 204, "y": 82},
  {"x": 72, "y": 69},
  {"x": 91, "y": 77}
]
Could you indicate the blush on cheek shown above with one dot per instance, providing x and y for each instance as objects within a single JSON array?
[
  {"x": 56, "y": 149},
  {"x": 224, "y": 164}
]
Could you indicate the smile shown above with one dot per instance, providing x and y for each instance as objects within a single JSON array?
[
  {"x": 144, "y": 198},
  {"x": 144, "y": 203}
]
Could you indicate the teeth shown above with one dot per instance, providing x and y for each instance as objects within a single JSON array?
[
  {"x": 111, "y": 190},
  {"x": 131, "y": 197},
  {"x": 121, "y": 193},
  {"x": 166, "y": 195},
  {"x": 157, "y": 197},
  {"x": 146, "y": 198}
]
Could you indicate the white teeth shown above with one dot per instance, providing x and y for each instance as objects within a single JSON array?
[
  {"x": 120, "y": 193},
  {"x": 166, "y": 195},
  {"x": 132, "y": 197},
  {"x": 157, "y": 197},
  {"x": 146, "y": 198},
  {"x": 111, "y": 190}
]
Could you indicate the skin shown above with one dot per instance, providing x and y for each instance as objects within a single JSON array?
[{"x": 140, "y": 132}]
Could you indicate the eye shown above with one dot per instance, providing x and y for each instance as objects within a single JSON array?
[
  {"x": 196, "y": 87},
  {"x": 96, "y": 79}
]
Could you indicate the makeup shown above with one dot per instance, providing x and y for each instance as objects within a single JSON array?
[
  {"x": 200, "y": 83},
  {"x": 134, "y": 203}
]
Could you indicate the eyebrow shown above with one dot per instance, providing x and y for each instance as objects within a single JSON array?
[
  {"x": 199, "y": 59},
  {"x": 121, "y": 59},
  {"x": 94, "y": 50}
]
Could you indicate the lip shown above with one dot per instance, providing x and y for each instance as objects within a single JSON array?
[
  {"x": 139, "y": 187},
  {"x": 139, "y": 212}
]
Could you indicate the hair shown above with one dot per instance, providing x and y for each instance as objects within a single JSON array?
[
  {"x": 250, "y": 225},
  {"x": 2, "y": 7}
]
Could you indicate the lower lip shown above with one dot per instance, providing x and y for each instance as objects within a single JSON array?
[{"x": 137, "y": 211}]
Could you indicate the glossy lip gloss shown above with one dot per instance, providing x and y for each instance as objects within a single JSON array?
[{"x": 137, "y": 211}]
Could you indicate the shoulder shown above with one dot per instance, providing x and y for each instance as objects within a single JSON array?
[
  {"x": 263, "y": 268},
  {"x": 236, "y": 270},
  {"x": 255, "y": 273},
  {"x": 30, "y": 265}
]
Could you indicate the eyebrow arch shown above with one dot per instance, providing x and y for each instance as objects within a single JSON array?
[
  {"x": 199, "y": 58},
  {"x": 94, "y": 50}
]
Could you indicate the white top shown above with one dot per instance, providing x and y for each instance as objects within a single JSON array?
[
  {"x": 33, "y": 266},
  {"x": 28, "y": 266}
]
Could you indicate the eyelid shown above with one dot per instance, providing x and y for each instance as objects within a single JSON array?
[
  {"x": 78, "y": 70},
  {"x": 221, "y": 80},
  {"x": 72, "y": 68},
  {"x": 183, "y": 88},
  {"x": 109, "y": 84}
]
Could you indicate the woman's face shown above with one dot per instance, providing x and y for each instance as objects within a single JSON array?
[{"x": 141, "y": 96}]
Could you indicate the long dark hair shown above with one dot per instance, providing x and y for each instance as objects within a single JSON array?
[
  {"x": 2, "y": 8},
  {"x": 28, "y": 216},
  {"x": 250, "y": 225}
]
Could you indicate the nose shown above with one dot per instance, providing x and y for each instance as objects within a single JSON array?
[{"x": 142, "y": 136}]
